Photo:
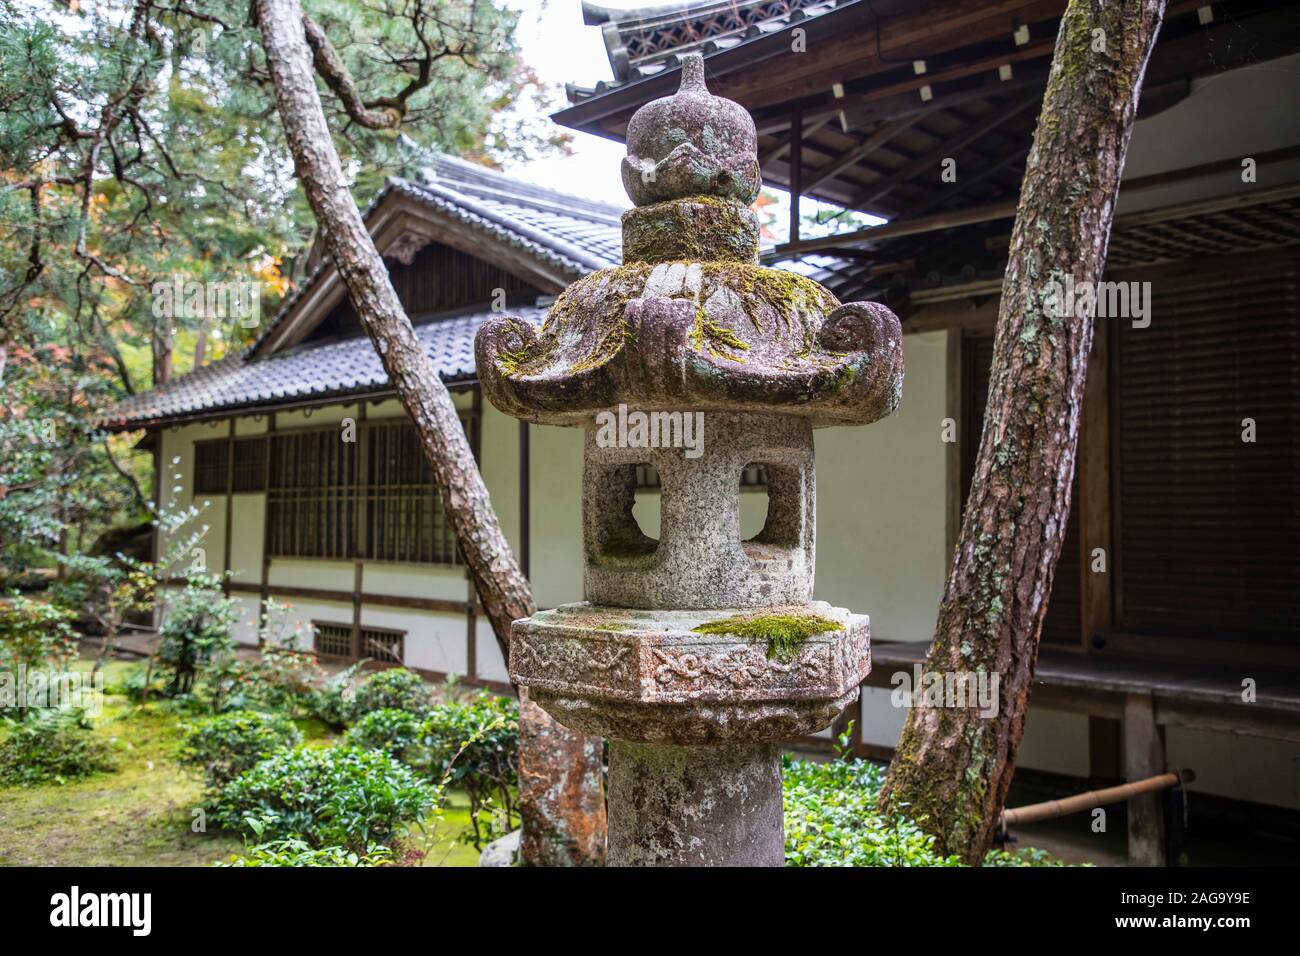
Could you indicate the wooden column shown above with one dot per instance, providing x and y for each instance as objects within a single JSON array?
[
  {"x": 230, "y": 509},
  {"x": 266, "y": 515},
  {"x": 796, "y": 170},
  {"x": 1093, "y": 474},
  {"x": 361, "y": 480},
  {"x": 1144, "y": 756}
]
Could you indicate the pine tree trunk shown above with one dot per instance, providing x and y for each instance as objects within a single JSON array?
[
  {"x": 500, "y": 583},
  {"x": 952, "y": 767}
]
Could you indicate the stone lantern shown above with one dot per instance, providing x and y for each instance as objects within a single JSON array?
[{"x": 695, "y": 653}]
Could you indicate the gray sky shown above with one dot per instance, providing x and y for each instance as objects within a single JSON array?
[{"x": 562, "y": 50}]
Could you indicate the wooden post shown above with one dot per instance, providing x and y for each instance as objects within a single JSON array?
[
  {"x": 796, "y": 170},
  {"x": 266, "y": 520},
  {"x": 1144, "y": 756},
  {"x": 230, "y": 509},
  {"x": 361, "y": 482}
]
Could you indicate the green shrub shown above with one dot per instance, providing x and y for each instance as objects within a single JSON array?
[
  {"x": 831, "y": 820},
  {"x": 51, "y": 747},
  {"x": 344, "y": 797},
  {"x": 226, "y": 746},
  {"x": 33, "y": 635},
  {"x": 398, "y": 733},
  {"x": 296, "y": 852},
  {"x": 196, "y": 631},
  {"x": 474, "y": 746},
  {"x": 131, "y": 684},
  {"x": 333, "y": 703},
  {"x": 394, "y": 689}
]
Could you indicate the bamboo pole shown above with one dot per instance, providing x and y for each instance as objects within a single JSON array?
[{"x": 1051, "y": 809}]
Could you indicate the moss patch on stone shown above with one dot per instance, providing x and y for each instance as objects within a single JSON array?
[
  {"x": 698, "y": 228},
  {"x": 610, "y": 344},
  {"x": 784, "y": 633},
  {"x": 709, "y": 336}
]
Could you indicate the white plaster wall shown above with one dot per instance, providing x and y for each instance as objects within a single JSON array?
[
  {"x": 307, "y": 573},
  {"x": 556, "y": 514},
  {"x": 413, "y": 580},
  {"x": 881, "y": 504},
  {"x": 1243, "y": 768},
  {"x": 176, "y": 493},
  {"x": 435, "y": 641},
  {"x": 247, "y": 617},
  {"x": 491, "y": 666},
  {"x": 249, "y": 524},
  {"x": 1229, "y": 115}
]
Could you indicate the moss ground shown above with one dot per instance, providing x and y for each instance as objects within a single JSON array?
[{"x": 142, "y": 814}]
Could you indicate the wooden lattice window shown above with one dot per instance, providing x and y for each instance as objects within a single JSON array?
[
  {"x": 405, "y": 521},
  {"x": 312, "y": 502},
  {"x": 250, "y": 464},
  {"x": 210, "y": 466},
  {"x": 333, "y": 640},
  {"x": 373, "y": 498},
  {"x": 383, "y": 645},
  {"x": 1206, "y": 455}
]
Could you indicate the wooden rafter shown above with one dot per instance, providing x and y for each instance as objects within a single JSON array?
[{"x": 992, "y": 120}]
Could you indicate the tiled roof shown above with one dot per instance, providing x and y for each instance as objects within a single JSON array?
[
  {"x": 645, "y": 41},
  {"x": 573, "y": 234},
  {"x": 576, "y": 235},
  {"x": 309, "y": 371}
]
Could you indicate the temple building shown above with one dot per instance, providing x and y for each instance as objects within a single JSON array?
[{"x": 1173, "y": 632}]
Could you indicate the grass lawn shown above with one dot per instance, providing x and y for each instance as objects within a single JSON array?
[{"x": 143, "y": 814}]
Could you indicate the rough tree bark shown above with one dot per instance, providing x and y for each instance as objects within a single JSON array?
[
  {"x": 560, "y": 796},
  {"x": 952, "y": 767}
]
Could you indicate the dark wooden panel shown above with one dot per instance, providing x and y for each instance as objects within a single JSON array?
[
  {"x": 438, "y": 279},
  {"x": 1208, "y": 525},
  {"x": 210, "y": 464}
]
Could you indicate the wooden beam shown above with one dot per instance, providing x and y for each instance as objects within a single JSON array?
[
  {"x": 362, "y": 479},
  {"x": 1144, "y": 756},
  {"x": 783, "y": 147},
  {"x": 869, "y": 145},
  {"x": 345, "y": 597},
  {"x": 1010, "y": 158},
  {"x": 796, "y": 170},
  {"x": 230, "y": 508},
  {"x": 992, "y": 120},
  {"x": 1006, "y": 210}
]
